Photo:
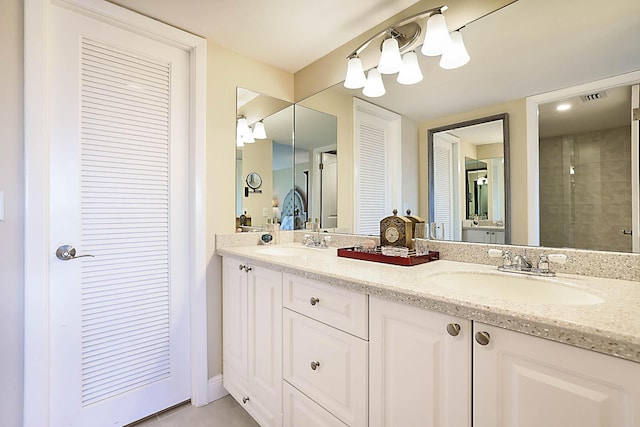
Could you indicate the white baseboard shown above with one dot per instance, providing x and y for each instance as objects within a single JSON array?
[{"x": 216, "y": 390}]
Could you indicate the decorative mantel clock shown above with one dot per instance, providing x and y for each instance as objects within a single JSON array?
[{"x": 396, "y": 231}]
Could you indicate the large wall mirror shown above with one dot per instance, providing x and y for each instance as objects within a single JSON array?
[
  {"x": 469, "y": 180},
  {"x": 288, "y": 174},
  {"x": 504, "y": 70}
]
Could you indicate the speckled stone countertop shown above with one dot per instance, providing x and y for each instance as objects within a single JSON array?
[{"x": 611, "y": 327}]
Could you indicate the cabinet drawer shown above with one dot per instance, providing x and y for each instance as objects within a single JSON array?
[
  {"x": 299, "y": 411},
  {"x": 327, "y": 365},
  {"x": 340, "y": 308}
]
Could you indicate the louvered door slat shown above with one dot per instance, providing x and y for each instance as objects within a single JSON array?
[
  {"x": 371, "y": 185},
  {"x": 124, "y": 221}
]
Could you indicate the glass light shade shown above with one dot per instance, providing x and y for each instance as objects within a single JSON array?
[
  {"x": 390, "y": 59},
  {"x": 410, "y": 72},
  {"x": 258, "y": 131},
  {"x": 355, "y": 74},
  {"x": 239, "y": 142},
  {"x": 248, "y": 138},
  {"x": 456, "y": 56},
  {"x": 374, "y": 87},
  {"x": 437, "y": 39},
  {"x": 243, "y": 127}
]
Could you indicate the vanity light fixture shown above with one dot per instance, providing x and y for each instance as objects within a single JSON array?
[
  {"x": 374, "y": 87},
  {"x": 243, "y": 131},
  {"x": 259, "y": 131},
  {"x": 410, "y": 72},
  {"x": 403, "y": 37},
  {"x": 456, "y": 55},
  {"x": 563, "y": 107}
]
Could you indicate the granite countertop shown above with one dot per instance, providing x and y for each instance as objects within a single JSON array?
[{"x": 611, "y": 327}]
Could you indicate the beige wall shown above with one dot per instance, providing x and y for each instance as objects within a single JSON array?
[
  {"x": 517, "y": 158},
  {"x": 258, "y": 157},
  {"x": 227, "y": 70},
  {"x": 11, "y": 237}
]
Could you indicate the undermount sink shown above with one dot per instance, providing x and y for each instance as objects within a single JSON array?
[
  {"x": 282, "y": 251},
  {"x": 515, "y": 288}
]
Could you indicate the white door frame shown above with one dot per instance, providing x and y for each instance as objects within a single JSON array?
[
  {"x": 533, "y": 187},
  {"x": 36, "y": 232}
]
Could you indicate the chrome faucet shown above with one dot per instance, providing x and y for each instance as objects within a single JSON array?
[
  {"x": 522, "y": 264},
  {"x": 312, "y": 241}
]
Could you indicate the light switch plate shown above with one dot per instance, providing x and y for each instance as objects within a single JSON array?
[{"x": 1, "y": 205}]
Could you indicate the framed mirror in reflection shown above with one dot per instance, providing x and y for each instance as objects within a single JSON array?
[{"x": 469, "y": 180}]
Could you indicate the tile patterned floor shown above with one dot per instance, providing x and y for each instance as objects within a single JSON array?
[{"x": 225, "y": 412}]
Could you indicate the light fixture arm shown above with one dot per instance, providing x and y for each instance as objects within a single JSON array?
[{"x": 392, "y": 29}]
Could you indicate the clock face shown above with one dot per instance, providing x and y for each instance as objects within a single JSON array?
[{"x": 391, "y": 234}]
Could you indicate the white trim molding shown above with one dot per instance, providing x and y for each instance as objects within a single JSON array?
[
  {"x": 36, "y": 134},
  {"x": 216, "y": 389}
]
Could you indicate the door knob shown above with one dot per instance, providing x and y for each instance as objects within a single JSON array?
[
  {"x": 67, "y": 252},
  {"x": 627, "y": 232}
]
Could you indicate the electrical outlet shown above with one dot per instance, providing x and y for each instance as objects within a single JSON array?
[{"x": 265, "y": 212}]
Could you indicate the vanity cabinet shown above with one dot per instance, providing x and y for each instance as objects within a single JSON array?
[
  {"x": 478, "y": 235},
  {"x": 252, "y": 339},
  {"x": 325, "y": 354},
  {"x": 525, "y": 381},
  {"x": 419, "y": 367}
]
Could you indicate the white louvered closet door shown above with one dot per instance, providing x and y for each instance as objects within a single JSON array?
[{"x": 119, "y": 186}]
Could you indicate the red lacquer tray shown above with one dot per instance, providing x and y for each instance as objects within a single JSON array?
[{"x": 396, "y": 260}]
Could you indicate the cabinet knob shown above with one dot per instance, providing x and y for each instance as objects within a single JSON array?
[
  {"x": 245, "y": 399},
  {"x": 314, "y": 300},
  {"x": 242, "y": 267},
  {"x": 453, "y": 329},
  {"x": 483, "y": 338},
  {"x": 315, "y": 365},
  {"x": 247, "y": 269}
]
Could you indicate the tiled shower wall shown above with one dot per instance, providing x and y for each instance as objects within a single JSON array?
[{"x": 585, "y": 190}]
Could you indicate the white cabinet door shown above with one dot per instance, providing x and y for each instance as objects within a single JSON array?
[
  {"x": 252, "y": 339},
  {"x": 525, "y": 381},
  {"x": 234, "y": 313},
  {"x": 264, "y": 371},
  {"x": 420, "y": 374}
]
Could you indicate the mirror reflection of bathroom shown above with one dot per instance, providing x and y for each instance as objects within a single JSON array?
[
  {"x": 469, "y": 194},
  {"x": 268, "y": 155},
  {"x": 296, "y": 186},
  {"x": 586, "y": 172},
  {"x": 316, "y": 168}
]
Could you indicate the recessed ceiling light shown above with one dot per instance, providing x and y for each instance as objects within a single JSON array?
[{"x": 563, "y": 107}]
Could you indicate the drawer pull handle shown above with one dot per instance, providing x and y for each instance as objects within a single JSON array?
[
  {"x": 314, "y": 300},
  {"x": 315, "y": 365},
  {"x": 245, "y": 399},
  {"x": 453, "y": 329},
  {"x": 483, "y": 338}
]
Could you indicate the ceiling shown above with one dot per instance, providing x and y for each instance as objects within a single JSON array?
[{"x": 287, "y": 34}]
